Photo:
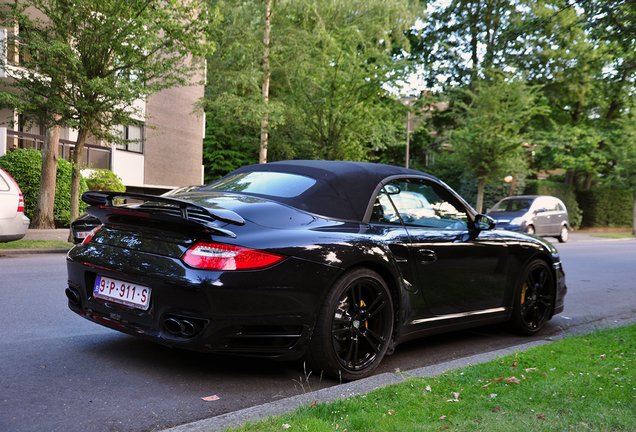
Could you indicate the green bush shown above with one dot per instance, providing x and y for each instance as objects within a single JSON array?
[
  {"x": 564, "y": 192},
  {"x": 104, "y": 179},
  {"x": 25, "y": 166},
  {"x": 604, "y": 207}
]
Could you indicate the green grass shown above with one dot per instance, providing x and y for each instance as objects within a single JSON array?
[
  {"x": 614, "y": 236},
  {"x": 582, "y": 383},
  {"x": 36, "y": 244}
]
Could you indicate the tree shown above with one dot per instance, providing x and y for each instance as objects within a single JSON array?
[
  {"x": 488, "y": 136},
  {"x": 463, "y": 38},
  {"x": 328, "y": 60},
  {"x": 613, "y": 23},
  {"x": 623, "y": 159},
  {"x": 118, "y": 52},
  {"x": 582, "y": 54},
  {"x": 267, "y": 73}
]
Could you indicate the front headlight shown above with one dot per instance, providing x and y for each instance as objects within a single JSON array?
[{"x": 516, "y": 221}]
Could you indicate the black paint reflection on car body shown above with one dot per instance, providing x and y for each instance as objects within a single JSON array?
[{"x": 335, "y": 269}]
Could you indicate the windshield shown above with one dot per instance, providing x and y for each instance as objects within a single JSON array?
[{"x": 513, "y": 205}]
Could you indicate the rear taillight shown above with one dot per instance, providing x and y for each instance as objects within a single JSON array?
[
  {"x": 21, "y": 199},
  {"x": 91, "y": 234},
  {"x": 21, "y": 203},
  {"x": 215, "y": 256}
]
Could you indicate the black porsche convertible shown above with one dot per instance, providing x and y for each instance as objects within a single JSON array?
[{"x": 333, "y": 262}]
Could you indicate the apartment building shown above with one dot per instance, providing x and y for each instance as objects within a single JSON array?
[{"x": 166, "y": 141}]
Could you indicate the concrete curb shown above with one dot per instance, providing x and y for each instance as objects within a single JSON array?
[
  {"x": 33, "y": 251},
  {"x": 342, "y": 391}
]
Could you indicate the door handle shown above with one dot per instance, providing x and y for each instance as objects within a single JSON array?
[{"x": 427, "y": 255}]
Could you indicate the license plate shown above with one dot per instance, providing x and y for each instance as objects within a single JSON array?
[
  {"x": 81, "y": 234},
  {"x": 125, "y": 293}
]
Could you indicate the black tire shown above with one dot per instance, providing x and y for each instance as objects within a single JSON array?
[
  {"x": 565, "y": 234},
  {"x": 530, "y": 230},
  {"x": 534, "y": 299},
  {"x": 354, "y": 328}
]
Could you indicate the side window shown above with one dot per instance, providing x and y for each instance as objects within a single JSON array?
[
  {"x": 419, "y": 203},
  {"x": 383, "y": 210},
  {"x": 3, "y": 185},
  {"x": 540, "y": 204},
  {"x": 552, "y": 204}
]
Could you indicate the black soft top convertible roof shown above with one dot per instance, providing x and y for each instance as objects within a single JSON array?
[{"x": 342, "y": 190}]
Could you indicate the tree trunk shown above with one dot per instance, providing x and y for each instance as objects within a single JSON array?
[
  {"x": 262, "y": 158},
  {"x": 634, "y": 216},
  {"x": 43, "y": 213},
  {"x": 75, "y": 177},
  {"x": 481, "y": 185}
]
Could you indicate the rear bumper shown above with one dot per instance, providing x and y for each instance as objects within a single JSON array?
[
  {"x": 14, "y": 229},
  {"x": 222, "y": 312}
]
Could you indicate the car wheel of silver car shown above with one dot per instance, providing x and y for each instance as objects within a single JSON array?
[
  {"x": 354, "y": 328},
  {"x": 565, "y": 234},
  {"x": 530, "y": 230},
  {"x": 534, "y": 298}
]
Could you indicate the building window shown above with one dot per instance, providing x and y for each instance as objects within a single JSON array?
[{"x": 133, "y": 136}]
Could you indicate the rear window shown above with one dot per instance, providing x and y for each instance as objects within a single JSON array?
[
  {"x": 275, "y": 184},
  {"x": 4, "y": 186}
]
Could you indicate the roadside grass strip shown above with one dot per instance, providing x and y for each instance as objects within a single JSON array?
[
  {"x": 36, "y": 244},
  {"x": 581, "y": 383},
  {"x": 615, "y": 236}
]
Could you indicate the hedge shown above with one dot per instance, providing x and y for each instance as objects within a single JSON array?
[
  {"x": 564, "y": 192},
  {"x": 104, "y": 179},
  {"x": 25, "y": 166},
  {"x": 604, "y": 207}
]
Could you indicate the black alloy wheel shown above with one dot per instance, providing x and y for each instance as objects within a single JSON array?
[
  {"x": 354, "y": 328},
  {"x": 534, "y": 298}
]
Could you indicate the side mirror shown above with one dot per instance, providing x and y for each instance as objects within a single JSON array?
[
  {"x": 392, "y": 189},
  {"x": 484, "y": 222}
]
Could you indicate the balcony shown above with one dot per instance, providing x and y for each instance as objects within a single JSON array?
[{"x": 94, "y": 156}]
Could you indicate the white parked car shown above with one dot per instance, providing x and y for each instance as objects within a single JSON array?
[{"x": 13, "y": 223}]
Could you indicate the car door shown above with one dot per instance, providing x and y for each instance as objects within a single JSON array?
[
  {"x": 562, "y": 215},
  {"x": 541, "y": 216},
  {"x": 458, "y": 269},
  {"x": 556, "y": 214}
]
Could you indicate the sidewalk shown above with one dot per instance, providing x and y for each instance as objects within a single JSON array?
[{"x": 47, "y": 234}]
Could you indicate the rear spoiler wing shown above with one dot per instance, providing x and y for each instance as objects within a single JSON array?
[{"x": 188, "y": 212}]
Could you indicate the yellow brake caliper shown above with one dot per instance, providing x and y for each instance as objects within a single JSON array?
[
  {"x": 523, "y": 293},
  {"x": 363, "y": 304}
]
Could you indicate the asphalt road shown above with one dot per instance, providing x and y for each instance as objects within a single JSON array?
[{"x": 59, "y": 372}]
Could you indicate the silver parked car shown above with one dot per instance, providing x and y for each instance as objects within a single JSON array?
[
  {"x": 534, "y": 214},
  {"x": 13, "y": 223}
]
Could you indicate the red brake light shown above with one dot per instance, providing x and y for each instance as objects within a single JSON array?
[
  {"x": 214, "y": 256},
  {"x": 21, "y": 203},
  {"x": 21, "y": 199},
  {"x": 90, "y": 235}
]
